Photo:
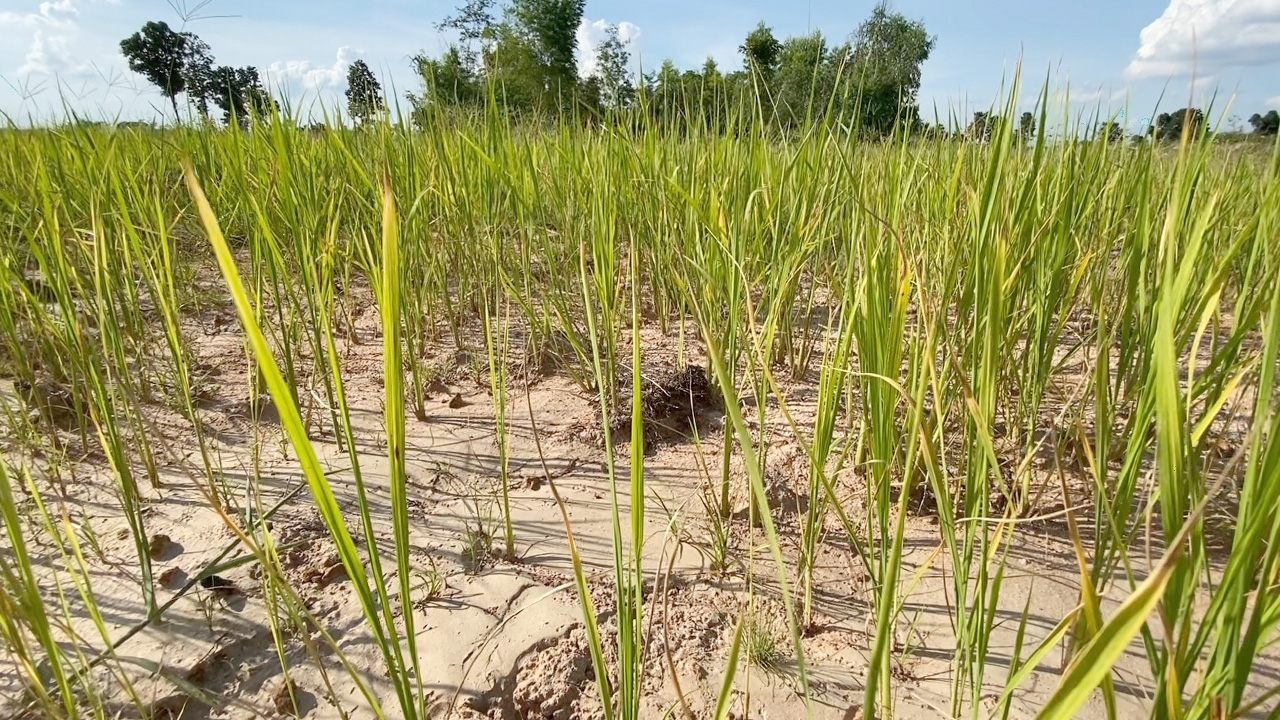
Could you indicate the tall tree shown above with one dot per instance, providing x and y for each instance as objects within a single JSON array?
[
  {"x": 239, "y": 93},
  {"x": 1027, "y": 126},
  {"x": 1109, "y": 131},
  {"x": 550, "y": 28},
  {"x": 888, "y": 53},
  {"x": 1170, "y": 126},
  {"x": 714, "y": 97},
  {"x": 197, "y": 73},
  {"x": 523, "y": 81},
  {"x": 474, "y": 23},
  {"x": 160, "y": 54},
  {"x": 805, "y": 79},
  {"x": 1266, "y": 125},
  {"x": 762, "y": 51},
  {"x": 364, "y": 93},
  {"x": 665, "y": 92},
  {"x": 448, "y": 81},
  {"x": 983, "y": 127},
  {"x": 613, "y": 71}
]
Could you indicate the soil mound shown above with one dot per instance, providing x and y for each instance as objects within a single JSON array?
[{"x": 672, "y": 404}]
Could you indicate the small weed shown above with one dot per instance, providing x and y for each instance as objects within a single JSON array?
[
  {"x": 433, "y": 582},
  {"x": 760, "y": 643},
  {"x": 89, "y": 537},
  {"x": 477, "y": 548}
]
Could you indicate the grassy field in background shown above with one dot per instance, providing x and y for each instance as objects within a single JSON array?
[{"x": 992, "y": 335}]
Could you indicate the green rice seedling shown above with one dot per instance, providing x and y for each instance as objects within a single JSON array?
[
  {"x": 433, "y": 582},
  {"x": 755, "y": 473},
  {"x": 831, "y": 384},
  {"x": 389, "y": 297},
  {"x": 387, "y": 635},
  {"x": 157, "y": 268},
  {"x": 590, "y": 619},
  {"x": 719, "y": 546},
  {"x": 1094, "y": 662},
  {"x": 497, "y": 339},
  {"x": 1013, "y": 334},
  {"x": 48, "y": 675}
]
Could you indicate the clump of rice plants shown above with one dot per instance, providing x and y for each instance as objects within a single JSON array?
[{"x": 1070, "y": 346}]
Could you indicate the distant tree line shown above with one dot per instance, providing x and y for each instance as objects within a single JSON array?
[
  {"x": 521, "y": 56},
  {"x": 1168, "y": 127}
]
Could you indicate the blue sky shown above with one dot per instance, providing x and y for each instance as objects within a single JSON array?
[{"x": 57, "y": 54}]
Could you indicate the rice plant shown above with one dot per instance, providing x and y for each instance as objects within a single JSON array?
[{"x": 961, "y": 348}]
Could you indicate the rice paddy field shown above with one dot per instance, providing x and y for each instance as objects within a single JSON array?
[{"x": 507, "y": 420}]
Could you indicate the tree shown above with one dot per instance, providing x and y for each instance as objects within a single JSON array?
[
  {"x": 713, "y": 94},
  {"x": 364, "y": 93},
  {"x": 804, "y": 80},
  {"x": 550, "y": 28},
  {"x": 983, "y": 127},
  {"x": 1170, "y": 126},
  {"x": 523, "y": 81},
  {"x": 197, "y": 73},
  {"x": 449, "y": 81},
  {"x": 762, "y": 51},
  {"x": 1109, "y": 131},
  {"x": 1027, "y": 126},
  {"x": 612, "y": 71},
  {"x": 663, "y": 92},
  {"x": 160, "y": 54},
  {"x": 239, "y": 93},
  {"x": 888, "y": 52},
  {"x": 474, "y": 23},
  {"x": 1266, "y": 125}
]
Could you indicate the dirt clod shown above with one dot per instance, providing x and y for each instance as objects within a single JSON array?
[
  {"x": 172, "y": 707},
  {"x": 173, "y": 578},
  {"x": 547, "y": 682},
  {"x": 285, "y": 698},
  {"x": 219, "y": 585},
  {"x": 671, "y": 405},
  {"x": 159, "y": 546},
  {"x": 51, "y": 402}
]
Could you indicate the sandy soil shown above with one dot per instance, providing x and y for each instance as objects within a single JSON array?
[{"x": 503, "y": 639}]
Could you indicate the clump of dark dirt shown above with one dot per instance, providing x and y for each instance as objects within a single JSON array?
[
  {"x": 672, "y": 404},
  {"x": 51, "y": 402},
  {"x": 161, "y": 547},
  {"x": 173, "y": 707},
  {"x": 287, "y": 699}
]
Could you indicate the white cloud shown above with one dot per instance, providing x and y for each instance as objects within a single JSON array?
[
  {"x": 593, "y": 32},
  {"x": 312, "y": 77},
  {"x": 1099, "y": 96},
  {"x": 60, "y": 14},
  {"x": 1208, "y": 36},
  {"x": 54, "y": 26},
  {"x": 1274, "y": 102}
]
